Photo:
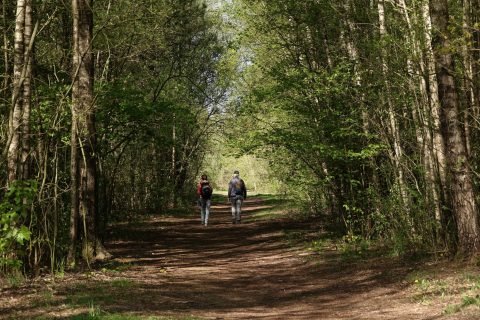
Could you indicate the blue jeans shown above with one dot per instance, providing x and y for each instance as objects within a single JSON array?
[
  {"x": 205, "y": 209},
  {"x": 236, "y": 208}
]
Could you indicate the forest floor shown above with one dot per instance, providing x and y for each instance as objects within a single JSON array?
[{"x": 268, "y": 267}]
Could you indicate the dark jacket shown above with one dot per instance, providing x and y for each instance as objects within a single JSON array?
[{"x": 232, "y": 188}]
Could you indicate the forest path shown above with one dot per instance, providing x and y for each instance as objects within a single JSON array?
[
  {"x": 175, "y": 267},
  {"x": 248, "y": 271}
]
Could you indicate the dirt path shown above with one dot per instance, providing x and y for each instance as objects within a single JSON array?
[{"x": 177, "y": 267}]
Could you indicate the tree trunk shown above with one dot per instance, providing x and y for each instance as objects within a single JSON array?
[
  {"x": 475, "y": 38},
  {"x": 395, "y": 134},
  {"x": 421, "y": 113},
  {"x": 435, "y": 107},
  {"x": 27, "y": 95},
  {"x": 74, "y": 213},
  {"x": 83, "y": 166},
  {"x": 173, "y": 174},
  {"x": 354, "y": 57},
  {"x": 468, "y": 75},
  {"x": 18, "y": 142},
  {"x": 15, "y": 117},
  {"x": 6, "y": 67},
  {"x": 459, "y": 173},
  {"x": 434, "y": 121}
]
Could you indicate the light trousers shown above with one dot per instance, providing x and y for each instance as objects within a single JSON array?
[
  {"x": 205, "y": 210},
  {"x": 237, "y": 208}
]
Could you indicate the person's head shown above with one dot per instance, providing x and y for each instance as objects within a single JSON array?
[
  {"x": 236, "y": 173},
  {"x": 204, "y": 177}
]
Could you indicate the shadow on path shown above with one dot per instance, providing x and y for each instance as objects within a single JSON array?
[{"x": 175, "y": 266}]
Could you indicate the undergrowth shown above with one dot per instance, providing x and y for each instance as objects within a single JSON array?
[{"x": 457, "y": 291}]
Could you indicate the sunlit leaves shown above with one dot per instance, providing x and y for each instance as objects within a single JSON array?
[{"x": 14, "y": 210}]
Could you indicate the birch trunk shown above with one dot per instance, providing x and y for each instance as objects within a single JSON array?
[
  {"x": 422, "y": 116},
  {"x": 15, "y": 117},
  {"x": 438, "y": 148},
  {"x": 475, "y": 58},
  {"x": 468, "y": 75},
  {"x": 27, "y": 94},
  {"x": 18, "y": 142},
  {"x": 418, "y": 84},
  {"x": 395, "y": 135},
  {"x": 6, "y": 73}
]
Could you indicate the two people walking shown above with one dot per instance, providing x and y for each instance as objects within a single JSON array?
[{"x": 237, "y": 193}]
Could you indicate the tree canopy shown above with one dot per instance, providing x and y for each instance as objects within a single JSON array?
[{"x": 364, "y": 112}]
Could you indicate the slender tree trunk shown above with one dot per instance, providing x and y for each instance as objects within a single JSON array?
[
  {"x": 421, "y": 114},
  {"x": 460, "y": 176},
  {"x": 468, "y": 75},
  {"x": 74, "y": 213},
  {"x": 353, "y": 54},
  {"x": 439, "y": 140},
  {"x": 15, "y": 117},
  {"x": 55, "y": 213},
  {"x": 395, "y": 134},
  {"x": 475, "y": 38},
  {"x": 27, "y": 94},
  {"x": 438, "y": 148},
  {"x": 6, "y": 67},
  {"x": 18, "y": 142},
  {"x": 174, "y": 161}
]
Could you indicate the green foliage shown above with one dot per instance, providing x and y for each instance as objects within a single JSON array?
[
  {"x": 466, "y": 302},
  {"x": 291, "y": 93},
  {"x": 303, "y": 115},
  {"x": 470, "y": 296},
  {"x": 162, "y": 69},
  {"x": 432, "y": 287},
  {"x": 14, "y": 213},
  {"x": 14, "y": 278},
  {"x": 221, "y": 160},
  {"x": 273, "y": 206},
  {"x": 313, "y": 102},
  {"x": 122, "y": 283},
  {"x": 355, "y": 247},
  {"x": 158, "y": 102}
]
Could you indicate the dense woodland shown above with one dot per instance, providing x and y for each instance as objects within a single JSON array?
[{"x": 365, "y": 112}]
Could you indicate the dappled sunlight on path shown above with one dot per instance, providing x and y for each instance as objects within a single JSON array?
[
  {"x": 174, "y": 266},
  {"x": 247, "y": 271}
]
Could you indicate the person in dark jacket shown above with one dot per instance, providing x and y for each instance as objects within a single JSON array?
[
  {"x": 237, "y": 193},
  {"x": 204, "y": 192}
]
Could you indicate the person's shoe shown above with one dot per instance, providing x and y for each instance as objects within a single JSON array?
[
  {"x": 238, "y": 221},
  {"x": 234, "y": 221}
]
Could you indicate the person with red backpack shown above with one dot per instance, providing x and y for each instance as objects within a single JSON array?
[
  {"x": 204, "y": 192},
  {"x": 237, "y": 192}
]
